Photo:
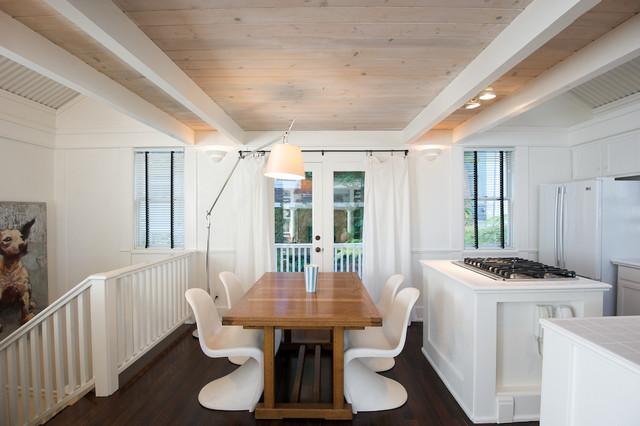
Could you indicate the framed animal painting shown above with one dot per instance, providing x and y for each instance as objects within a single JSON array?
[{"x": 23, "y": 263}]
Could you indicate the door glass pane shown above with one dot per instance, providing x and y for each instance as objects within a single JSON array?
[
  {"x": 293, "y": 223},
  {"x": 348, "y": 215}
]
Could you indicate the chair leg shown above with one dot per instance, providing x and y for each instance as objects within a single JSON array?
[
  {"x": 369, "y": 391},
  {"x": 239, "y": 390}
]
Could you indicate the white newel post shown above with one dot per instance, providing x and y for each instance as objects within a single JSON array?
[{"x": 103, "y": 332}]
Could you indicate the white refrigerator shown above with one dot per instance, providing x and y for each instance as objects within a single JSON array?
[{"x": 585, "y": 224}]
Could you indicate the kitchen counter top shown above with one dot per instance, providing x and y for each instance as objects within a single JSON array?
[
  {"x": 631, "y": 263},
  {"x": 591, "y": 371},
  {"x": 617, "y": 338},
  {"x": 480, "y": 283}
]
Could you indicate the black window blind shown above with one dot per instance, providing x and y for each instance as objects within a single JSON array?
[
  {"x": 159, "y": 198},
  {"x": 487, "y": 203}
]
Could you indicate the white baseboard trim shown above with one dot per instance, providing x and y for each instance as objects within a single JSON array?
[{"x": 455, "y": 395}]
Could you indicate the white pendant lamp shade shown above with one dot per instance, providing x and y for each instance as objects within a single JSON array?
[{"x": 285, "y": 162}]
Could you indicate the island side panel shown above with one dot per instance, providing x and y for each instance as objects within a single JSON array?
[{"x": 448, "y": 333}]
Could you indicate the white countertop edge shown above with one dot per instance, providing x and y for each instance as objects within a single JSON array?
[
  {"x": 591, "y": 345},
  {"x": 630, "y": 263},
  {"x": 492, "y": 286}
]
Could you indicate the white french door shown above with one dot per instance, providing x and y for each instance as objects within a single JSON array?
[{"x": 319, "y": 220}]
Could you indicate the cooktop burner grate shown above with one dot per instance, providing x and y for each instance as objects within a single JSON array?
[{"x": 515, "y": 269}]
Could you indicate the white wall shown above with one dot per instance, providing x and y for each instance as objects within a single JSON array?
[
  {"x": 90, "y": 175},
  {"x": 94, "y": 188},
  {"x": 27, "y": 135},
  {"x": 437, "y": 212}
]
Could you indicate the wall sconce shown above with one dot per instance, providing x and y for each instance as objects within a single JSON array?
[
  {"x": 216, "y": 152},
  {"x": 430, "y": 152}
]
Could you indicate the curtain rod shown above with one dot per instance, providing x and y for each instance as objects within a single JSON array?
[{"x": 322, "y": 151}]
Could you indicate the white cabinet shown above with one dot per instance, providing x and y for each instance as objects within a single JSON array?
[
  {"x": 622, "y": 154},
  {"x": 614, "y": 156},
  {"x": 587, "y": 161},
  {"x": 628, "y": 289}
]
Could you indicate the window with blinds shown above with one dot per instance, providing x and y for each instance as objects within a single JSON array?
[
  {"x": 159, "y": 198},
  {"x": 487, "y": 199}
]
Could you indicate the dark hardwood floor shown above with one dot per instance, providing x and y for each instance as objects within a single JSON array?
[{"x": 162, "y": 389}]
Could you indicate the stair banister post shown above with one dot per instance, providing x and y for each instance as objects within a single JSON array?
[{"x": 104, "y": 337}]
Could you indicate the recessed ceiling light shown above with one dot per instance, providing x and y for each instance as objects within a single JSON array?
[
  {"x": 472, "y": 104},
  {"x": 487, "y": 94}
]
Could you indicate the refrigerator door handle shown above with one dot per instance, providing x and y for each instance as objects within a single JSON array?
[
  {"x": 556, "y": 230},
  {"x": 563, "y": 193}
]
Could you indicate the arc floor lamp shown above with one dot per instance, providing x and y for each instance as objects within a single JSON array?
[{"x": 285, "y": 162}]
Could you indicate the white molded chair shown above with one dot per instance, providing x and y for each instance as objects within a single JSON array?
[
  {"x": 241, "y": 389},
  {"x": 233, "y": 288},
  {"x": 370, "y": 335},
  {"x": 365, "y": 389},
  {"x": 233, "y": 291},
  {"x": 389, "y": 291}
]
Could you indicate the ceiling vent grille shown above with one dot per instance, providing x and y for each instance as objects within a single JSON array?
[
  {"x": 22, "y": 81},
  {"x": 618, "y": 83}
]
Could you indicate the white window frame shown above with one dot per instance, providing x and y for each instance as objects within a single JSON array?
[
  {"x": 511, "y": 226},
  {"x": 140, "y": 248}
]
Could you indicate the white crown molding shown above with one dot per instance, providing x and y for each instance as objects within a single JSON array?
[
  {"x": 105, "y": 131},
  {"x": 28, "y": 123},
  {"x": 599, "y": 128},
  {"x": 631, "y": 100},
  {"x": 27, "y": 102}
]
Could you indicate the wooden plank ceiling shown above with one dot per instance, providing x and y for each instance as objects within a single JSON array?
[
  {"x": 330, "y": 64},
  {"x": 592, "y": 25}
]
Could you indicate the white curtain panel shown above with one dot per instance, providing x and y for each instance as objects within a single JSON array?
[
  {"x": 255, "y": 220},
  {"x": 386, "y": 234}
]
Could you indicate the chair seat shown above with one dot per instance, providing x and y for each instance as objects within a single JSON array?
[
  {"x": 238, "y": 391},
  {"x": 240, "y": 360},
  {"x": 372, "y": 337},
  {"x": 235, "y": 337}
]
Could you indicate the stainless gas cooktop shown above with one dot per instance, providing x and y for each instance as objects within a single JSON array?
[{"x": 515, "y": 269}]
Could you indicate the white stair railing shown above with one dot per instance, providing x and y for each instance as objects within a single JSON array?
[{"x": 68, "y": 348}]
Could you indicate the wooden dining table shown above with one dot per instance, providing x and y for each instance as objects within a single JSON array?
[{"x": 278, "y": 300}]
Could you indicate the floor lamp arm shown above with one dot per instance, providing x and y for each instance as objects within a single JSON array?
[{"x": 215, "y": 201}]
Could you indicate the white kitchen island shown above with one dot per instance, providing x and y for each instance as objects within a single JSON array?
[{"x": 480, "y": 336}]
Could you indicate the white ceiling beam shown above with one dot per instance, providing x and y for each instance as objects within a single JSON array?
[
  {"x": 28, "y": 48},
  {"x": 614, "y": 48},
  {"x": 540, "y": 21},
  {"x": 110, "y": 27}
]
